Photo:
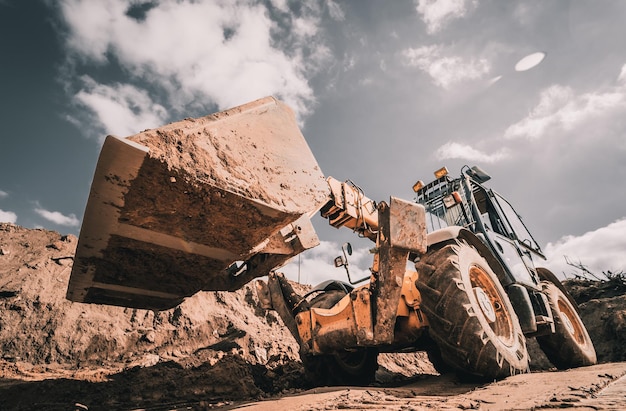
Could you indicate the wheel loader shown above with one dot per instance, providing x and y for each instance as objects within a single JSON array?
[{"x": 214, "y": 202}]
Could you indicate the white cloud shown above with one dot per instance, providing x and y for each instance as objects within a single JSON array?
[
  {"x": 317, "y": 264},
  {"x": 530, "y": 61},
  {"x": 445, "y": 70},
  {"x": 8, "y": 216},
  {"x": 280, "y": 5},
  {"x": 600, "y": 250},
  {"x": 493, "y": 81},
  {"x": 349, "y": 62},
  {"x": 305, "y": 27},
  {"x": 622, "y": 75},
  {"x": 437, "y": 13},
  {"x": 57, "y": 217},
  {"x": 335, "y": 11},
  {"x": 452, "y": 150},
  {"x": 122, "y": 109},
  {"x": 219, "y": 52},
  {"x": 561, "y": 109}
]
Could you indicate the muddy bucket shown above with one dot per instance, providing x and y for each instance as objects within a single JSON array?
[{"x": 173, "y": 210}]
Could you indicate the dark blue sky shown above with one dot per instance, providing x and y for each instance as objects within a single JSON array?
[{"x": 46, "y": 162}]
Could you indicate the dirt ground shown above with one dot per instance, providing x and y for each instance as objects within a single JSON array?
[
  {"x": 589, "y": 388},
  {"x": 220, "y": 350}
]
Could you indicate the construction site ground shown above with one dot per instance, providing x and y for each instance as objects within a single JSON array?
[{"x": 221, "y": 350}]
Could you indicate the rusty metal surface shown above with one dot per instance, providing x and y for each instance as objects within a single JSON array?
[
  {"x": 335, "y": 328},
  {"x": 407, "y": 225},
  {"x": 350, "y": 208},
  {"x": 171, "y": 208},
  {"x": 387, "y": 285},
  {"x": 362, "y": 306},
  {"x": 281, "y": 306}
]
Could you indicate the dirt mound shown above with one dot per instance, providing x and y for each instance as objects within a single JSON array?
[
  {"x": 602, "y": 307},
  {"x": 40, "y": 326},
  {"x": 40, "y": 331},
  {"x": 583, "y": 290}
]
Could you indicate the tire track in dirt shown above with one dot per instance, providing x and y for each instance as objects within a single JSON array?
[{"x": 597, "y": 387}]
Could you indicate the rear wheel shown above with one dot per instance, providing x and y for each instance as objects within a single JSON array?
[
  {"x": 471, "y": 318},
  {"x": 570, "y": 346},
  {"x": 346, "y": 367}
]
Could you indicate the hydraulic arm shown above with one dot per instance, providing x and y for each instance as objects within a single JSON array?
[{"x": 367, "y": 316}]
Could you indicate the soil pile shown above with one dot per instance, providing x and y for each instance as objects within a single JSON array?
[
  {"x": 256, "y": 150},
  {"x": 225, "y": 341},
  {"x": 40, "y": 326},
  {"x": 602, "y": 307}
]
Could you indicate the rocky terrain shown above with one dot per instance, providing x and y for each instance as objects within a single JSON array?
[{"x": 215, "y": 350}]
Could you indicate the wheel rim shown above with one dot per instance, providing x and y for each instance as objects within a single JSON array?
[
  {"x": 492, "y": 305},
  {"x": 570, "y": 321}
]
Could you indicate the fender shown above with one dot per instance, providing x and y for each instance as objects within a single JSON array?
[{"x": 459, "y": 233}]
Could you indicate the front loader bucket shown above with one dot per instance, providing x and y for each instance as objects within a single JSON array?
[{"x": 173, "y": 210}]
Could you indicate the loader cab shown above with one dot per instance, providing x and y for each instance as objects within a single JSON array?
[{"x": 465, "y": 201}]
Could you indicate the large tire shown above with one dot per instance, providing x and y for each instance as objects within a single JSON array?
[
  {"x": 471, "y": 318},
  {"x": 347, "y": 367},
  {"x": 436, "y": 359},
  {"x": 570, "y": 346}
]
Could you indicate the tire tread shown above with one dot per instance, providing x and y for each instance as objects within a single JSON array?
[{"x": 454, "y": 325}]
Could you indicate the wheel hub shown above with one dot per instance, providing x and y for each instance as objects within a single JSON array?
[{"x": 485, "y": 304}]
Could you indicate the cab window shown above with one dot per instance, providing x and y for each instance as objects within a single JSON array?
[{"x": 516, "y": 224}]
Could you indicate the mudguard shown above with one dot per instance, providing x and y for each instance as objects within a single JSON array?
[{"x": 457, "y": 232}]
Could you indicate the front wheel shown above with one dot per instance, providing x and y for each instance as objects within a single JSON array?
[
  {"x": 471, "y": 318},
  {"x": 570, "y": 346},
  {"x": 346, "y": 367}
]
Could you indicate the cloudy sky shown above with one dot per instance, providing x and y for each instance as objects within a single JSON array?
[{"x": 385, "y": 91}]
